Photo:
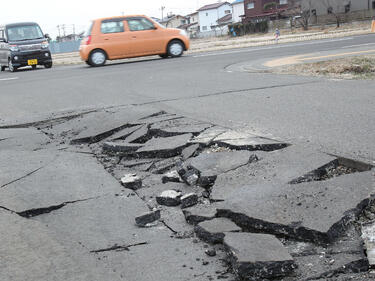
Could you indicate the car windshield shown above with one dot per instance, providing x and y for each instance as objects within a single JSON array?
[{"x": 24, "y": 32}]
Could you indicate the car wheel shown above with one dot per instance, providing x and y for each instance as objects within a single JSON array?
[
  {"x": 88, "y": 63},
  {"x": 11, "y": 67},
  {"x": 97, "y": 58},
  {"x": 164, "y": 56},
  {"x": 33, "y": 67},
  {"x": 175, "y": 49},
  {"x": 48, "y": 65},
  {"x": 2, "y": 67}
]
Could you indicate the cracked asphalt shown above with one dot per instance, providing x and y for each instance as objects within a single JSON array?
[{"x": 256, "y": 176}]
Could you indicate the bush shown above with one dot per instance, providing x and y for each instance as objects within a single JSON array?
[{"x": 248, "y": 28}]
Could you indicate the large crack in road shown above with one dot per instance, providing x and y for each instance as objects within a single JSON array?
[{"x": 201, "y": 194}]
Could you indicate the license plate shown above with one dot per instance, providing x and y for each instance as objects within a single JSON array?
[{"x": 32, "y": 62}]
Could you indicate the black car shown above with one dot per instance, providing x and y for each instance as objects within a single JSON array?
[{"x": 23, "y": 44}]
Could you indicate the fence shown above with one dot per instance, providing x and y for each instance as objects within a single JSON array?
[{"x": 64, "y": 47}]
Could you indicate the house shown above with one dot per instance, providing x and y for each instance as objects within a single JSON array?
[
  {"x": 192, "y": 25},
  {"x": 325, "y": 7},
  {"x": 173, "y": 21},
  {"x": 258, "y": 10},
  {"x": 238, "y": 10},
  {"x": 210, "y": 14}
]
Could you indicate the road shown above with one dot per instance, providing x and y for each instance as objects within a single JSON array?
[{"x": 336, "y": 116}]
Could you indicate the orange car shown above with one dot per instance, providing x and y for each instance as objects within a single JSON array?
[{"x": 128, "y": 37}]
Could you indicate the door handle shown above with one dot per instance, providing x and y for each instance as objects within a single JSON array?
[
  {"x": 134, "y": 37},
  {"x": 106, "y": 39}
]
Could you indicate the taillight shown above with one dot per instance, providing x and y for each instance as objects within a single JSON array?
[{"x": 87, "y": 40}]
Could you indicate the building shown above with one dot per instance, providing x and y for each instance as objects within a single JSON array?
[
  {"x": 209, "y": 15},
  {"x": 238, "y": 10},
  {"x": 192, "y": 25},
  {"x": 173, "y": 21},
  {"x": 325, "y": 7},
  {"x": 258, "y": 10}
]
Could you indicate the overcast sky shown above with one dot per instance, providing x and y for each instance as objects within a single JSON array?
[{"x": 49, "y": 13}]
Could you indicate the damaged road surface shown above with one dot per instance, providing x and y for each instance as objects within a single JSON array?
[{"x": 148, "y": 195}]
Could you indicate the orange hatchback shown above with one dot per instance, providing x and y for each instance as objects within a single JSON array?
[{"x": 129, "y": 37}]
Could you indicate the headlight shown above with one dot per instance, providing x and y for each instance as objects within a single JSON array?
[
  {"x": 183, "y": 33},
  {"x": 14, "y": 48},
  {"x": 45, "y": 45}
]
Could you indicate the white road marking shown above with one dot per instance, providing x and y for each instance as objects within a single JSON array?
[
  {"x": 270, "y": 48},
  {"x": 359, "y": 45},
  {"x": 8, "y": 79}
]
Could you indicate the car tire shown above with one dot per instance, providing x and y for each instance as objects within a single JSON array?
[
  {"x": 97, "y": 58},
  {"x": 48, "y": 65},
  {"x": 88, "y": 63},
  {"x": 164, "y": 56},
  {"x": 11, "y": 67},
  {"x": 2, "y": 67},
  {"x": 175, "y": 48},
  {"x": 33, "y": 66}
]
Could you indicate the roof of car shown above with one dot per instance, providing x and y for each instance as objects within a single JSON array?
[
  {"x": 18, "y": 24},
  {"x": 120, "y": 17}
]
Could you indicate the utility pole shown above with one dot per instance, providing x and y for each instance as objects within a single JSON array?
[
  {"x": 162, "y": 12},
  {"x": 58, "y": 28}
]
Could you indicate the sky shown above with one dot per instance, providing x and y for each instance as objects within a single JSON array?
[{"x": 51, "y": 13}]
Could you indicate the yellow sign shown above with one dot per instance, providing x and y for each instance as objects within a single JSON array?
[{"x": 32, "y": 62}]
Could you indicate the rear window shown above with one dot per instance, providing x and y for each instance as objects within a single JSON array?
[
  {"x": 112, "y": 26},
  {"x": 24, "y": 32}
]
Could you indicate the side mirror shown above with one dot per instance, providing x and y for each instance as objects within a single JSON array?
[
  {"x": 47, "y": 36},
  {"x": 3, "y": 40}
]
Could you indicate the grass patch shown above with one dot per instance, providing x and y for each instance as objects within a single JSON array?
[{"x": 361, "y": 67}]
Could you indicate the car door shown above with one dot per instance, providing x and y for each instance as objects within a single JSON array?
[
  {"x": 145, "y": 37},
  {"x": 111, "y": 37},
  {"x": 3, "y": 49}
]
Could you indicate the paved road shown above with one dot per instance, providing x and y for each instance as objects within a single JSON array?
[{"x": 334, "y": 115}]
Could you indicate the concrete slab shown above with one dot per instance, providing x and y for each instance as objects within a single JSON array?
[
  {"x": 258, "y": 256},
  {"x": 66, "y": 178},
  {"x": 138, "y": 136},
  {"x": 164, "y": 147},
  {"x": 281, "y": 166},
  {"x": 314, "y": 211},
  {"x": 29, "y": 251},
  {"x": 210, "y": 165},
  {"x": 179, "y": 126},
  {"x": 199, "y": 213},
  {"x": 107, "y": 229},
  {"x": 368, "y": 236},
  {"x": 120, "y": 147},
  {"x": 206, "y": 137},
  {"x": 87, "y": 129},
  {"x": 123, "y": 134},
  {"x": 213, "y": 231},
  {"x": 22, "y": 139}
]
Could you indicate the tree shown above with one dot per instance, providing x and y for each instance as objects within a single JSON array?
[
  {"x": 336, "y": 7},
  {"x": 299, "y": 10}
]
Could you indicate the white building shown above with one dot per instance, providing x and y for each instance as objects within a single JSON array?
[
  {"x": 238, "y": 10},
  {"x": 210, "y": 14}
]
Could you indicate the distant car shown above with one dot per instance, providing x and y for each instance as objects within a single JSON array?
[
  {"x": 128, "y": 37},
  {"x": 23, "y": 44}
]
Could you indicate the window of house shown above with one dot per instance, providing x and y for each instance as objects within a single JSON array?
[
  {"x": 112, "y": 26},
  {"x": 250, "y": 5},
  {"x": 283, "y": 2},
  {"x": 373, "y": 5},
  {"x": 330, "y": 10},
  {"x": 227, "y": 12},
  {"x": 138, "y": 24},
  {"x": 313, "y": 12},
  {"x": 204, "y": 27}
]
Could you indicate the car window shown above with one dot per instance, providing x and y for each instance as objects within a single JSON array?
[
  {"x": 137, "y": 24},
  {"x": 114, "y": 26},
  {"x": 24, "y": 32}
]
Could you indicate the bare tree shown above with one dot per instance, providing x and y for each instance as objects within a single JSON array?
[
  {"x": 336, "y": 8},
  {"x": 299, "y": 10}
]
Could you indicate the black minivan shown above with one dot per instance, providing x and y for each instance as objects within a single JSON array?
[{"x": 23, "y": 44}]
